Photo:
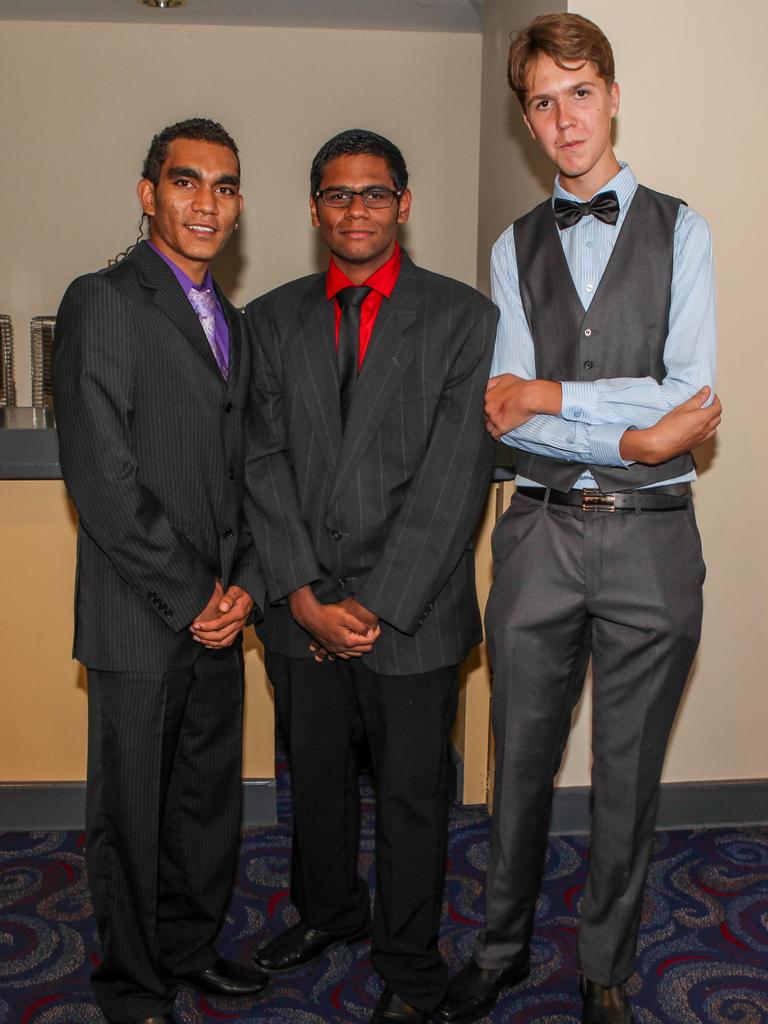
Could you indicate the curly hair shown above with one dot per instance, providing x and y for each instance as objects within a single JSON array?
[{"x": 200, "y": 128}]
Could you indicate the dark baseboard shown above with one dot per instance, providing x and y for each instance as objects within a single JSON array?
[
  {"x": 54, "y": 806},
  {"x": 682, "y": 805},
  {"x": 259, "y": 802}
]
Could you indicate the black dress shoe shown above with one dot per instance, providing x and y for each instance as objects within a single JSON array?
[
  {"x": 604, "y": 1005},
  {"x": 473, "y": 992},
  {"x": 226, "y": 978},
  {"x": 299, "y": 945},
  {"x": 391, "y": 1007}
]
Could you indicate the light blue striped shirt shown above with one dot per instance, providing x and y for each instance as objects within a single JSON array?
[{"x": 595, "y": 414}]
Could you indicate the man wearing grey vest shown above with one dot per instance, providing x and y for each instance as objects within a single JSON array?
[{"x": 604, "y": 367}]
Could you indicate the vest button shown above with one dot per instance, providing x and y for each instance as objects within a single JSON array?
[
  {"x": 588, "y": 364},
  {"x": 588, "y": 332}
]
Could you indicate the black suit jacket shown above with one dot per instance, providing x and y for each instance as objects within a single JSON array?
[
  {"x": 151, "y": 450},
  {"x": 386, "y": 511}
]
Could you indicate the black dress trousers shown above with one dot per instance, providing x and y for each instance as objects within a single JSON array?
[
  {"x": 325, "y": 709},
  {"x": 162, "y": 824}
]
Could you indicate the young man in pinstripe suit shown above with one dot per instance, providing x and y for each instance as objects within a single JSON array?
[
  {"x": 150, "y": 375},
  {"x": 368, "y": 468}
]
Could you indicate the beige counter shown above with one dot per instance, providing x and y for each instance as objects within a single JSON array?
[
  {"x": 43, "y": 692},
  {"x": 43, "y": 725}
]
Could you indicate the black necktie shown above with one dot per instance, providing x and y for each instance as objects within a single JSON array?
[
  {"x": 605, "y": 206},
  {"x": 350, "y": 300}
]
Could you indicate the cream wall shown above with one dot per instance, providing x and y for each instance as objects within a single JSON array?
[
  {"x": 689, "y": 127},
  {"x": 81, "y": 102},
  {"x": 79, "y": 105},
  {"x": 692, "y": 124}
]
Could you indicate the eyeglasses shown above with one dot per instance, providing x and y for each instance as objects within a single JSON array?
[{"x": 374, "y": 198}]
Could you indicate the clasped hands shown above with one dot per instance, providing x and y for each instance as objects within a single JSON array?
[
  {"x": 223, "y": 618},
  {"x": 511, "y": 401},
  {"x": 344, "y": 629}
]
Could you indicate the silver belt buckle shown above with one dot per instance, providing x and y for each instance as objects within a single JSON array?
[{"x": 593, "y": 500}]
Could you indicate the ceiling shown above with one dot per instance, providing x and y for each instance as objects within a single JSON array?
[{"x": 413, "y": 15}]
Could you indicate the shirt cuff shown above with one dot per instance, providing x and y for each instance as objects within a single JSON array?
[
  {"x": 605, "y": 438},
  {"x": 579, "y": 400}
]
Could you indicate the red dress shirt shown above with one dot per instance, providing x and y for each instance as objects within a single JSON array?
[{"x": 381, "y": 282}]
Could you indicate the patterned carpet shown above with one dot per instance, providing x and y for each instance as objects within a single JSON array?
[{"x": 703, "y": 948}]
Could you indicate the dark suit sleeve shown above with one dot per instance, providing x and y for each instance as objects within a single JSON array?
[
  {"x": 247, "y": 572},
  {"x": 445, "y": 497},
  {"x": 93, "y": 375},
  {"x": 273, "y": 508}
]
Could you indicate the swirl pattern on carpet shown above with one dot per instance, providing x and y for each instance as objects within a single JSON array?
[{"x": 702, "y": 952}]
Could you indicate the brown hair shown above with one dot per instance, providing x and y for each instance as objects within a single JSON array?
[{"x": 568, "y": 39}]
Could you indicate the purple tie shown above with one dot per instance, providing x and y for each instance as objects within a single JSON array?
[{"x": 204, "y": 304}]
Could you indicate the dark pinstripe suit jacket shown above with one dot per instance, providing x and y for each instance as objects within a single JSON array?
[
  {"x": 386, "y": 512},
  {"x": 151, "y": 449}
]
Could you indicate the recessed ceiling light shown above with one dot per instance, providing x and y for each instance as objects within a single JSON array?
[{"x": 162, "y": 3}]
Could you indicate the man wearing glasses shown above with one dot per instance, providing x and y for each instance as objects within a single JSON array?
[{"x": 368, "y": 468}]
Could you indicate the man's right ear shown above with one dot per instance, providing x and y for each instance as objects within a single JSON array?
[
  {"x": 145, "y": 190},
  {"x": 313, "y": 212}
]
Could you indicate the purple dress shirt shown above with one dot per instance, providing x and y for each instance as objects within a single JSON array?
[{"x": 222, "y": 328}]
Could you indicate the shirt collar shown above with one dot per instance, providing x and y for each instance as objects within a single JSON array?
[
  {"x": 624, "y": 184},
  {"x": 382, "y": 280},
  {"x": 185, "y": 281}
]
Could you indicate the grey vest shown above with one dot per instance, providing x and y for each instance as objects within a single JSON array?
[{"x": 622, "y": 334}]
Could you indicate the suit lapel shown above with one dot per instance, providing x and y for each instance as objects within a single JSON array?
[
  {"x": 312, "y": 350},
  {"x": 169, "y": 297},
  {"x": 387, "y": 359}
]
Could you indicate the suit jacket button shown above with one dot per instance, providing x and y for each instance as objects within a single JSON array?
[
  {"x": 588, "y": 364},
  {"x": 341, "y": 583},
  {"x": 226, "y": 534},
  {"x": 228, "y": 407},
  {"x": 336, "y": 535}
]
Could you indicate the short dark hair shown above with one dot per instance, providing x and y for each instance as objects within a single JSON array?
[
  {"x": 359, "y": 140},
  {"x": 200, "y": 128},
  {"x": 568, "y": 39}
]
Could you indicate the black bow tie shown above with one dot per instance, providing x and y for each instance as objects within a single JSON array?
[{"x": 605, "y": 206}]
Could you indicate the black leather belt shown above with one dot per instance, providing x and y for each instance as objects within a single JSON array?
[{"x": 654, "y": 499}]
